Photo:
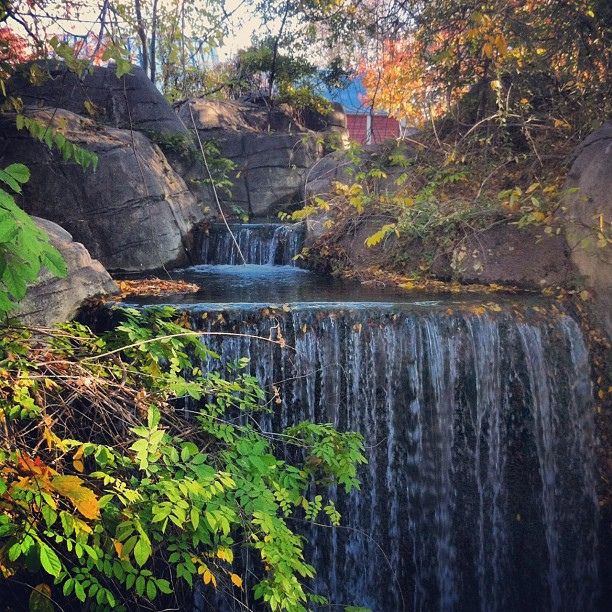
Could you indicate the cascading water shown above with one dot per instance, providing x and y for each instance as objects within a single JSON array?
[
  {"x": 260, "y": 243},
  {"x": 479, "y": 493}
]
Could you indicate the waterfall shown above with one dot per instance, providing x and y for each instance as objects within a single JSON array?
[
  {"x": 479, "y": 493},
  {"x": 260, "y": 243}
]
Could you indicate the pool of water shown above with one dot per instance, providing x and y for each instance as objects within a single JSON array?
[{"x": 261, "y": 285}]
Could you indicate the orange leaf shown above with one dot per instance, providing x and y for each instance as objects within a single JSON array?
[
  {"x": 118, "y": 548},
  {"x": 84, "y": 499},
  {"x": 236, "y": 580}
]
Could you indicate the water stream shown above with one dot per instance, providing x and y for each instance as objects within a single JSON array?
[{"x": 479, "y": 493}]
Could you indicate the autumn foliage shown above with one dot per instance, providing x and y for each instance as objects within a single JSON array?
[
  {"x": 525, "y": 60},
  {"x": 14, "y": 49}
]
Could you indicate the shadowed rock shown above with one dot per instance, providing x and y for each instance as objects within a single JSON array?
[
  {"x": 133, "y": 213},
  {"x": 52, "y": 300},
  {"x": 588, "y": 214},
  {"x": 131, "y": 102}
]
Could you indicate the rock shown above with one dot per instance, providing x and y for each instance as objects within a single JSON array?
[
  {"x": 132, "y": 102},
  {"x": 134, "y": 213},
  {"x": 588, "y": 216},
  {"x": 506, "y": 255},
  {"x": 334, "y": 119},
  {"x": 271, "y": 154},
  {"x": 502, "y": 254},
  {"x": 335, "y": 166},
  {"x": 53, "y": 300},
  {"x": 210, "y": 115}
]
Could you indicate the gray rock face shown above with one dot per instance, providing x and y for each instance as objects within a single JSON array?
[
  {"x": 588, "y": 217},
  {"x": 271, "y": 152},
  {"x": 132, "y": 102},
  {"x": 133, "y": 213},
  {"x": 333, "y": 167},
  {"x": 53, "y": 300}
]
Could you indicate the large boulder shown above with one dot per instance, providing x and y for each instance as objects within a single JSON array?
[
  {"x": 134, "y": 213},
  {"x": 588, "y": 215},
  {"x": 271, "y": 153},
  {"x": 131, "y": 102},
  {"x": 53, "y": 300}
]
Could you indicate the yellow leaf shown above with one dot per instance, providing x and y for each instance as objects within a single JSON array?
[
  {"x": 225, "y": 554},
  {"x": 84, "y": 499},
  {"x": 77, "y": 460},
  {"x": 236, "y": 580},
  {"x": 584, "y": 295},
  {"x": 209, "y": 577}
]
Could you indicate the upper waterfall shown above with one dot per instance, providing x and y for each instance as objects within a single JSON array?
[{"x": 260, "y": 243}]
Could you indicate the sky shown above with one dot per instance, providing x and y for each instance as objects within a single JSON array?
[{"x": 244, "y": 23}]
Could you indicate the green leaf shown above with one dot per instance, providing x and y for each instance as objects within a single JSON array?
[
  {"x": 68, "y": 587},
  {"x": 49, "y": 560},
  {"x": 8, "y": 228},
  {"x": 164, "y": 586},
  {"x": 195, "y": 517},
  {"x": 140, "y": 585},
  {"x": 79, "y": 591},
  {"x": 15, "y": 282},
  {"x": 53, "y": 260},
  {"x": 142, "y": 551},
  {"x": 151, "y": 590},
  {"x": 18, "y": 172},
  {"x": 5, "y": 177}
]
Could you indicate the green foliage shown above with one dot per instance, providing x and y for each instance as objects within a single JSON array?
[
  {"x": 55, "y": 139},
  {"x": 135, "y": 504},
  {"x": 67, "y": 53},
  {"x": 292, "y": 76},
  {"x": 24, "y": 247},
  {"x": 260, "y": 57},
  {"x": 183, "y": 147},
  {"x": 120, "y": 55},
  {"x": 302, "y": 97}
]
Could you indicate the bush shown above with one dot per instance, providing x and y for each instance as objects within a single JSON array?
[{"x": 126, "y": 473}]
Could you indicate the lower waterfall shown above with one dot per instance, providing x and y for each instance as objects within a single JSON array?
[{"x": 479, "y": 493}]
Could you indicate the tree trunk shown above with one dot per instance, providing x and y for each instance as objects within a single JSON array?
[
  {"x": 153, "y": 41},
  {"x": 140, "y": 28}
]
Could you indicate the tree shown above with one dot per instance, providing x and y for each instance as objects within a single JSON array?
[{"x": 521, "y": 60}]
